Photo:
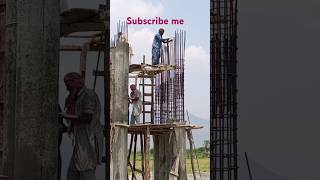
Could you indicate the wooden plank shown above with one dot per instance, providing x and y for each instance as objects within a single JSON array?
[
  {"x": 77, "y": 48},
  {"x": 147, "y": 153},
  {"x": 146, "y": 84},
  {"x": 191, "y": 153},
  {"x": 83, "y": 60},
  {"x": 98, "y": 73},
  {"x": 81, "y": 20},
  {"x": 142, "y": 154},
  {"x": 152, "y": 101},
  {"x": 134, "y": 155},
  {"x": 147, "y": 103}
]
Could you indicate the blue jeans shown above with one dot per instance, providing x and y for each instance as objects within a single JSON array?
[{"x": 155, "y": 56}]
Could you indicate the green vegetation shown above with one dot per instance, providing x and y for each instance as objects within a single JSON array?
[{"x": 201, "y": 153}]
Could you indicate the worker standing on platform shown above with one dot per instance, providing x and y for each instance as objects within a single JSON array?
[
  {"x": 135, "y": 100},
  {"x": 82, "y": 111},
  {"x": 156, "y": 46}
]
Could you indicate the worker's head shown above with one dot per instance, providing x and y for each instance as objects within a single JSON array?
[
  {"x": 133, "y": 87},
  {"x": 161, "y": 31},
  {"x": 74, "y": 82}
]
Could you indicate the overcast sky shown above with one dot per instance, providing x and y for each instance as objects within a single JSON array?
[
  {"x": 278, "y": 73},
  {"x": 279, "y": 85}
]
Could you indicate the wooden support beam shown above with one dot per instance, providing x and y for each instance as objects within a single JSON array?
[
  {"x": 142, "y": 155},
  {"x": 83, "y": 60},
  {"x": 98, "y": 73},
  {"x": 147, "y": 152},
  {"x": 79, "y": 48},
  {"x": 189, "y": 134}
]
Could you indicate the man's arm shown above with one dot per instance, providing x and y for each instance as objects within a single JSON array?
[
  {"x": 162, "y": 39},
  {"x": 69, "y": 116},
  {"x": 136, "y": 96}
]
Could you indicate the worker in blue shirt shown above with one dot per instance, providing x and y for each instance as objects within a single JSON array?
[{"x": 156, "y": 46}]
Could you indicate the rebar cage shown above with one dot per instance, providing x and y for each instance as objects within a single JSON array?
[{"x": 223, "y": 124}]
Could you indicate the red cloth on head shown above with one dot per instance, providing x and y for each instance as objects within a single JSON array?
[{"x": 74, "y": 80}]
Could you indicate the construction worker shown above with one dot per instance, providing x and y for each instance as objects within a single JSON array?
[
  {"x": 82, "y": 111},
  {"x": 135, "y": 100},
  {"x": 156, "y": 46}
]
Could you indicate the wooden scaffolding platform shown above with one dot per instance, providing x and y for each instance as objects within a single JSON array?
[
  {"x": 146, "y": 74},
  {"x": 145, "y": 131}
]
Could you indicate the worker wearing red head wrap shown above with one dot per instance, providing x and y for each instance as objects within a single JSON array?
[
  {"x": 82, "y": 110},
  {"x": 74, "y": 83}
]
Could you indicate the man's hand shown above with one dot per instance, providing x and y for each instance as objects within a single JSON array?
[
  {"x": 168, "y": 40},
  {"x": 68, "y": 116}
]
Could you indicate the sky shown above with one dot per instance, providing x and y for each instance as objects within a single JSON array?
[{"x": 278, "y": 65}]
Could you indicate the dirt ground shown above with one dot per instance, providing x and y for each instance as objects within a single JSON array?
[{"x": 205, "y": 176}]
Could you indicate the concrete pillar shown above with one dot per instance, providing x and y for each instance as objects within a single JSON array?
[
  {"x": 166, "y": 150},
  {"x": 2, "y": 83},
  {"x": 32, "y": 53},
  {"x": 119, "y": 57}
]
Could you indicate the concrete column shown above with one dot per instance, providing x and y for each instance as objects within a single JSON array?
[
  {"x": 33, "y": 29},
  {"x": 166, "y": 150},
  {"x": 2, "y": 83},
  {"x": 119, "y": 57}
]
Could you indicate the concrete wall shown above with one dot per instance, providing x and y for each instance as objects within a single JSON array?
[
  {"x": 2, "y": 82},
  {"x": 32, "y": 53},
  {"x": 119, "y": 57}
]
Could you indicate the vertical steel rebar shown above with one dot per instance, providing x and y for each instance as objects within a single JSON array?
[
  {"x": 223, "y": 89},
  {"x": 169, "y": 87}
]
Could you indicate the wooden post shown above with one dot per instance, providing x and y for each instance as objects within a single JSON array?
[
  {"x": 142, "y": 156},
  {"x": 191, "y": 153},
  {"x": 147, "y": 152},
  {"x": 83, "y": 59}
]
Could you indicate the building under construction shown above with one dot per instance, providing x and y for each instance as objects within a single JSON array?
[
  {"x": 29, "y": 67},
  {"x": 31, "y": 61}
]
